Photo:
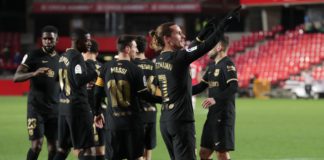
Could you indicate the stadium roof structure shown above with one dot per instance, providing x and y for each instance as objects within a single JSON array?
[
  {"x": 252, "y": 3},
  {"x": 132, "y": 6}
]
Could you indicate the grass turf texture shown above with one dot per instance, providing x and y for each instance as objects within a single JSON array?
[{"x": 265, "y": 130}]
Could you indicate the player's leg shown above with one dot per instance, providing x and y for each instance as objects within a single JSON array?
[
  {"x": 149, "y": 140},
  {"x": 86, "y": 153},
  {"x": 34, "y": 150},
  {"x": 35, "y": 126},
  {"x": 223, "y": 155},
  {"x": 64, "y": 140},
  {"x": 167, "y": 138},
  {"x": 207, "y": 142},
  {"x": 205, "y": 153},
  {"x": 184, "y": 141},
  {"x": 82, "y": 136},
  {"x": 134, "y": 143},
  {"x": 51, "y": 131},
  {"x": 99, "y": 138},
  {"x": 226, "y": 141}
]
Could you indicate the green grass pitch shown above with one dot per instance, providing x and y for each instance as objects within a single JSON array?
[{"x": 265, "y": 130}]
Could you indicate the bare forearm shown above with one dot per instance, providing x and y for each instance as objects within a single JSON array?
[{"x": 21, "y": 77}]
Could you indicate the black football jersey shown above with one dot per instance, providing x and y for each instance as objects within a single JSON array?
[
  {"x": 218, "y": 76},
  {"x": 123, "y": 80},
  {"x": 74, "y": 74},
  {"x": 172, "y": 70},
  {"x": 44, "y": 89},
  {"x": 148, "y": 68},
  {"x": 91, "y": 88}
]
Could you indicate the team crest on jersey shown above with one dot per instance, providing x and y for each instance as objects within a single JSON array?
[
  {"x": 191, "y": 49},
  {"x": 77, "y": 69},
  {"x": 216, "y": 73},
  {"x": 50, "y": 73}
]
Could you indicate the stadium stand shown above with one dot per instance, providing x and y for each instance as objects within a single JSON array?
[
  {"x": 9, "y": 42},
  {"x": 280, "y": 58}
]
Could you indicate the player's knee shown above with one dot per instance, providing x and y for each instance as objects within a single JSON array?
[
  {"x": 37, "y": 145},
  {"x": 205, "y": 153},
  {"x": 87, "y": 152},
  {"x": 100, "y": 150},
  {"x": 223, "y": 155},
  {"x": 51, "y": 148}
]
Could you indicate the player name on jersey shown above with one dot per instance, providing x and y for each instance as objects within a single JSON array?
[{"x": 164, "y": 65}]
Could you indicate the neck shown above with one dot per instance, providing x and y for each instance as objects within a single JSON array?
[
  {"x": 73, "y": 45},
  {"x": 123, "y": 56},
  {"x": 220, "y": 56},
  {"x": 140, "y": 56},
  {"x": 167, "y": 48}
]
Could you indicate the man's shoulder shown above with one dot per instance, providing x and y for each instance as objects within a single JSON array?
[
  {"x": 72, "y": 52},
  {"x": 35, "y": 53}
]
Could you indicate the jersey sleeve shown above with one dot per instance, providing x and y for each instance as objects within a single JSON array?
[
  {"x": 204, "y": 79},
  {"x": 140, "y": 80},
  {"x": 100, "y": 79},
  {"x": 193, "y": 53},
  {"x": 81, "y": 73},
  {"x": 230, "y": 72},
  {"x": 27, "y": 60}
]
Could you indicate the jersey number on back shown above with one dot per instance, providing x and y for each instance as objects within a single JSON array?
[
  {"x": 64, "y": 82},
  {"x": 119, "y": 93}
]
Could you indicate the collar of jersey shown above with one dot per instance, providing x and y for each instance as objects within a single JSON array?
[
  {"x": 220, "y": 60},
  {"x": 51, "y": 54}
]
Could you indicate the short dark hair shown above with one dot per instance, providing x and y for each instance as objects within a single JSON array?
[
  {"x": 79, "y": 33},
  {"x": 141, "y": 43},
  {"x": 50, "y": 28},
  {"x": 124, "y": 40},
  {"x": 94, "y": 47},
  {"x": 224, "y": 40}
]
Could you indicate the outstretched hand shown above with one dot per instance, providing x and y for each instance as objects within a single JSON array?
[
  {"x": 232, "y": 16},
  {"x": 42, "y": 70}
]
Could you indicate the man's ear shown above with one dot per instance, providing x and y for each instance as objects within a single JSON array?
[
  {"x": 166, "y": 39},
  {"x": 127, "y": 49}
]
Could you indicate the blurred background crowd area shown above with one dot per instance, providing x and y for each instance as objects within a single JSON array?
[{"x": 273, "y": 45}]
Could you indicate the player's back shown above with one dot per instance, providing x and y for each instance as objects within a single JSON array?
[
  {"x": 73, "y": 97},
  {"x": 148, "y": 68},
  {"x": 172, "y": 69},
  {"x": 123, "y": 80}
]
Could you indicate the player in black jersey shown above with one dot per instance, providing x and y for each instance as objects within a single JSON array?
[
  {"x": 172, "y": 69},
  {"x": 98, "y": 132},
  {"x": 75, "y": 117},
  {"x": 124, "y": 84},
  {"x": 41, "y": 68},
  {"x": 149, "y": 112},
  {"x": 221, "y": 80}
]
